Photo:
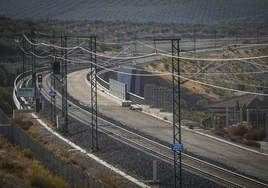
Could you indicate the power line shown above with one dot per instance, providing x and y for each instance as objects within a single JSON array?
[
  {"x": 202, "y": 73},
  {"x": 126, "y": 58},
  {"x": 162, "y": 74},
  {"x": 213, "y": 59},
  {"x": 196, "y": 74},
  {"x": 231, "y": 82},
  {"x": 155, "y": 54}
]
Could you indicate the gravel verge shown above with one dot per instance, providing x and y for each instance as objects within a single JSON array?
[{"x": 130, "y": 160}]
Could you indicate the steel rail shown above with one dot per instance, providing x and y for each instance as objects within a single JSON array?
[{"x": 162, "y": 152}]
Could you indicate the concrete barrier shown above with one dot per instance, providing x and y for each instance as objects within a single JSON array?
[
  {"x": 264, "y": 146},
  {"x": 16, "y": 113}
]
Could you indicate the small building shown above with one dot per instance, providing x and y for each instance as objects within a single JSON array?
[{"x": 250, "y": 108}]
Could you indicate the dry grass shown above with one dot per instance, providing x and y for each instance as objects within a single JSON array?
[
  {"x": 240, "y": 134},
  {"x": 9, "y": 166},
  {"x": 63, "y": 153},
  {"x": 36, "y": 136},
  {"x": 16, "y": 168},
  {"x": 237, "y": 139},
  {"x": 256, "y": 134},
  {"x": 47, "y": 122},
  {"x": 221, "y": 132},
  {"x": 40, "y": 177},
  {"x": 27, "y": 153},
  {"x": 75, "y": 162},
  {"x": 252, "y": 143},
  {"x": 238, "y": 131},
  {"x": 164, "y": 65},
  {"x": 24, "y": 124},
  {"x": 109, "y": 180},
  {"x": 68, "y": 155}
]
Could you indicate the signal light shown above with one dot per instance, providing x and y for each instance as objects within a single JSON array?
[
  {"x": 39, "y": 78},
  {"x": 56, "y": 67}
]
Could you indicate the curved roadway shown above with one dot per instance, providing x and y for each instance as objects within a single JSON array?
[{"x": 243, "y": 160}]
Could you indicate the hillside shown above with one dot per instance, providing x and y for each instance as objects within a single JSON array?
[
  {"x": 239, "y": 75},
  {"x": 179, "y": 11},
  {"x": 10, "y": 59}
]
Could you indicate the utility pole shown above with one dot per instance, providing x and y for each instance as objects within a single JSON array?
[
  {"x": 177, "y": 145},
  {"x": 64, "y": 83},
  {"x": 135, "y": 47},
  {"x": 93, "y": 82},
  {"x": 118, "y": 41},
  {"x": 194, "y": 41},
  {"x": 23, "y": 58},
  {"x": 236, "y": 34},
  {"x": 215, "y": 37},
  {"x": 266, "y": 119},
  {"x": 258, "y": 34},
  {"x": 33, "y": 39},
  {"x": 53, "y": 109}
]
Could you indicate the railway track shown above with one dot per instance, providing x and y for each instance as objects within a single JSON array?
[{"x": 197, "y": 166}]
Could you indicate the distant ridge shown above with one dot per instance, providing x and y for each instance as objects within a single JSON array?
[{"x": 179, "y": 11}]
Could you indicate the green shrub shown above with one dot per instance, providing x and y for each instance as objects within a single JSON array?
[
  {"x": 191, "y": 126},
  {"x": 10, "y": 166},
  {"x": 201, "y": 103},
  {"x": 165, "y": 118},
  {"x": 246, "y": 41},
  {"x": 166, "y": 66},
  {"x": 27, "y": 153},
  {"x": 238, "y": 130},
  {"x": 153, "y": 64},
  {"x": 252, "y": 143},
  {"x": 219, "y": 133},
  {"x": 256, "y": 134},
  {"x": 237, "y": 139}
]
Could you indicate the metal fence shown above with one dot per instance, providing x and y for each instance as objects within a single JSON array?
[
  {"x": 154, "y": 96},
  {"x": 258, "y": 117},
  {"x": 76, "y": 177},
  {"x": 129, "y": 96},
  {"x": 235, "y": 116},
  {"x": 117, "y": 89},
  {"x": 158, "y": 97},
  {"x": 135, "y": 98},
  {"x": 102, "y": 82}
]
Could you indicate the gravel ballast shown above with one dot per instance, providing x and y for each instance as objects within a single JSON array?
[{"x": 130, "y": 160}]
